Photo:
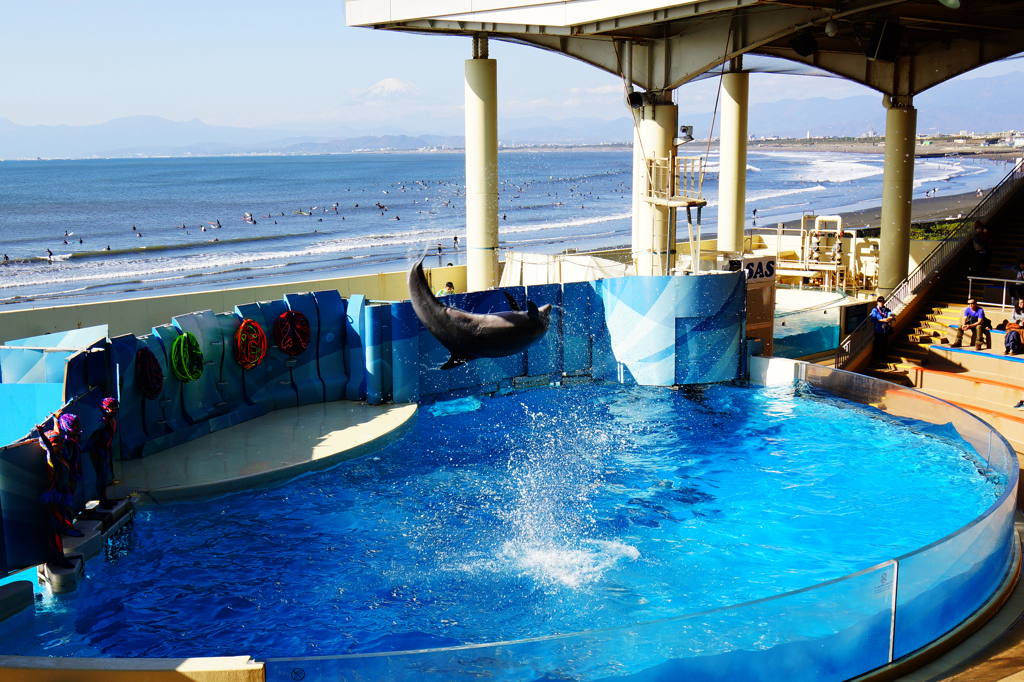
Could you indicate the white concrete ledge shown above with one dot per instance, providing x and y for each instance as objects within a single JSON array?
[
  {"x": 272, "y": 448},
  {"x": 51, "y": 669},
  {"x": 14, "y": 597}
]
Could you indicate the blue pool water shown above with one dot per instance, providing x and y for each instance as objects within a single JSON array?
[{"x": 549, "y": 511}]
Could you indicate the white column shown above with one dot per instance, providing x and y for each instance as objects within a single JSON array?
[
  {"x": 638, "y": 182},
  {"x": 897, "y": 188},
  {"x": 732, "y": 174},
  {"x": 652, "y": 245},
  {"x": 481, "y": 173}
]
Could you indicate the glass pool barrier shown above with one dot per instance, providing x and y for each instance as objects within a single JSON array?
[{"x": 835, "y": 630}]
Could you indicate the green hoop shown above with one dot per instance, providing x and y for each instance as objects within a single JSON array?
[{"x": 187, "y": 358}]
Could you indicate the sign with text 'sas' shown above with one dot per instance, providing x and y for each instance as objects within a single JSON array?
[{"x": 760, "y": 270}]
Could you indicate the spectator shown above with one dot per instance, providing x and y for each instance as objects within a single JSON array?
[
  {"x": 1013, "y": 342},
  {"x": 883, "y": 318},
  {"x": 975, "y": 320},
  {"x": 449, "y": 289}
]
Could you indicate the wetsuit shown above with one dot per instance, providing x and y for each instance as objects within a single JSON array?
[
  {"x": 101, "y": 452},
  {"x": 56, "y": 497}
]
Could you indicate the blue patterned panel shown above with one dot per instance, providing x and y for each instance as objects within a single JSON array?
[
  {"x": 331, "y": 306},
  {"x": 256, "y": 384},
  {"x": 405, "y": 351},
  {"x": 31, "y": 366},
  {"x": 202, "y": 399},
  {"x": 640, "y": 329},
  {"x": 170, "y": 401},
  {"x": 576, "y": 337},
  {"x": 72, "y": 339},
  {"x": 545, "y": 356},
  {"x": 355, "y": 359},
  {"x": 305, "y": 373},
  {"x": 23, "y": 476},
  {"x": 278, "y": 377},
  {"x": 709, "y": 346}
]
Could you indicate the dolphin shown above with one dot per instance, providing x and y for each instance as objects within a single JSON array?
[{"x": 468, "y": 336}]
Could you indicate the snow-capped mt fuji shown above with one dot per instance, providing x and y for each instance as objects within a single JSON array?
[{"x": 389, "y": 89}]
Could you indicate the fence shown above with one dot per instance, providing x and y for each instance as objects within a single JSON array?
[{"x": 925, "y": 273}]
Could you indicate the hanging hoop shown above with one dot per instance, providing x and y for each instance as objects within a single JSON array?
[
  {"x": 250, "y": 344},
  {"x": 187, "y": 358},
  {"x": 291, "y": 332},
  {"x": 148, "y": 374}
]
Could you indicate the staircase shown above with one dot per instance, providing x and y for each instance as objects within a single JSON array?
[{"x": 986, "y": 383}]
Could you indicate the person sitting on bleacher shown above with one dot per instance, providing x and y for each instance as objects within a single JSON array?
[
  {"x": 1014, "y": 344},
  {"x": 975, "y": 320}
]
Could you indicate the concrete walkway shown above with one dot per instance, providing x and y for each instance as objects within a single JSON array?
[{"x": 277, "y": 446}]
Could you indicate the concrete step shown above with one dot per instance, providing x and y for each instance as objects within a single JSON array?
[
  {"x": 981, "y": 392},
  {"x": 988, "y": 364}
]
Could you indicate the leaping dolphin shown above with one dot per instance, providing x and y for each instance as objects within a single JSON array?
[{"x": 468, "y": 336}]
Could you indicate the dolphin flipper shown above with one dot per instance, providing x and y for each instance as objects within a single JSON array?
[
  {"x": 454, "y": 362},
  {"x": 512, "y": 302}
]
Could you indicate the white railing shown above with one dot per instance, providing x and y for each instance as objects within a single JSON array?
[
  {"x": 1009, "y": 286},
  {"x": 675, "y": 178},
  {"x": 932, "y": 265}
]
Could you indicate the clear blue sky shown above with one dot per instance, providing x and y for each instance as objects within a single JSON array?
[{"x": 288, "y": 65}]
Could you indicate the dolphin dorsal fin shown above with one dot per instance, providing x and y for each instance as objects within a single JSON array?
[
  {"x": 531, "y": 310},
  {"x": 512, "y": 302}
]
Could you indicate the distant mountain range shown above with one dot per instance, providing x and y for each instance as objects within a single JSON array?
[{"x": 978, "y": 105}]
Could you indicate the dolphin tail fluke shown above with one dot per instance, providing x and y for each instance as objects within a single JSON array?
[{"x": 454, "y": 362}]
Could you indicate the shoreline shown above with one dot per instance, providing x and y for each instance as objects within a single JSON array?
[{"x": 924, "y": 210}]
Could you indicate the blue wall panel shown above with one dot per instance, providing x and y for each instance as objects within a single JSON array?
[
  {"x": 545, "y": 356},
  {"x": 378, "y": 353},
  {"x": 201, "y": 398},
  {"x": 576, "y": 337},
  {"x": 23, "y": 476},
  {"x": 257, "y": 386},
  {"x": 405, "y": 351},
  {"x": 355, "y": 359},
  {"x": 170, "y": 402},
  {"x": 331, "y": 306},
  {"x": 305, "y": 372},
  {"x": 640, "y": 340},
  {"x": 278, "y": 375},
  {"x": 23, "y": 405},
  {"x": 132, "y": 427},
  {"x": 229, "y": 372}
]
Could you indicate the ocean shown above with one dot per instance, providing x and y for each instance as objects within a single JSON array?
[{"x": 176, "y": 223}]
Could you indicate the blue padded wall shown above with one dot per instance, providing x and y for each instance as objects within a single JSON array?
[
  {"x": 709, "y": 336},
  {"x": 23, "y": 476},
  {"x": 278, "y": 376},
  {"x": 305, "y": 372},
  {"x": 87, "y": 408},
  {"x": 170, "y": 401},
  {"x": 331, "y": 307},
  {"x": 234, "y": 409},
  {"x": 378, "y": 354},
  {"x": 545, "y": 356},
  {"x": 257, "y": 387},
  {"x": 355, "y": 359},
  {"x": 201, "y": 397},
  {"x": 136, "y": 421},
  {"x": 576, "y": 336},
  {"x": 405, "y": 351}
]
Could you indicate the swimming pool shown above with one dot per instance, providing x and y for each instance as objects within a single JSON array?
[{"x": 533, "y": 515}]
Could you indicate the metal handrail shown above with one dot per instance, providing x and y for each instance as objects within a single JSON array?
[
  {"x": 1007, "y": 283},
  {"x": 929, "y": 268}
]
